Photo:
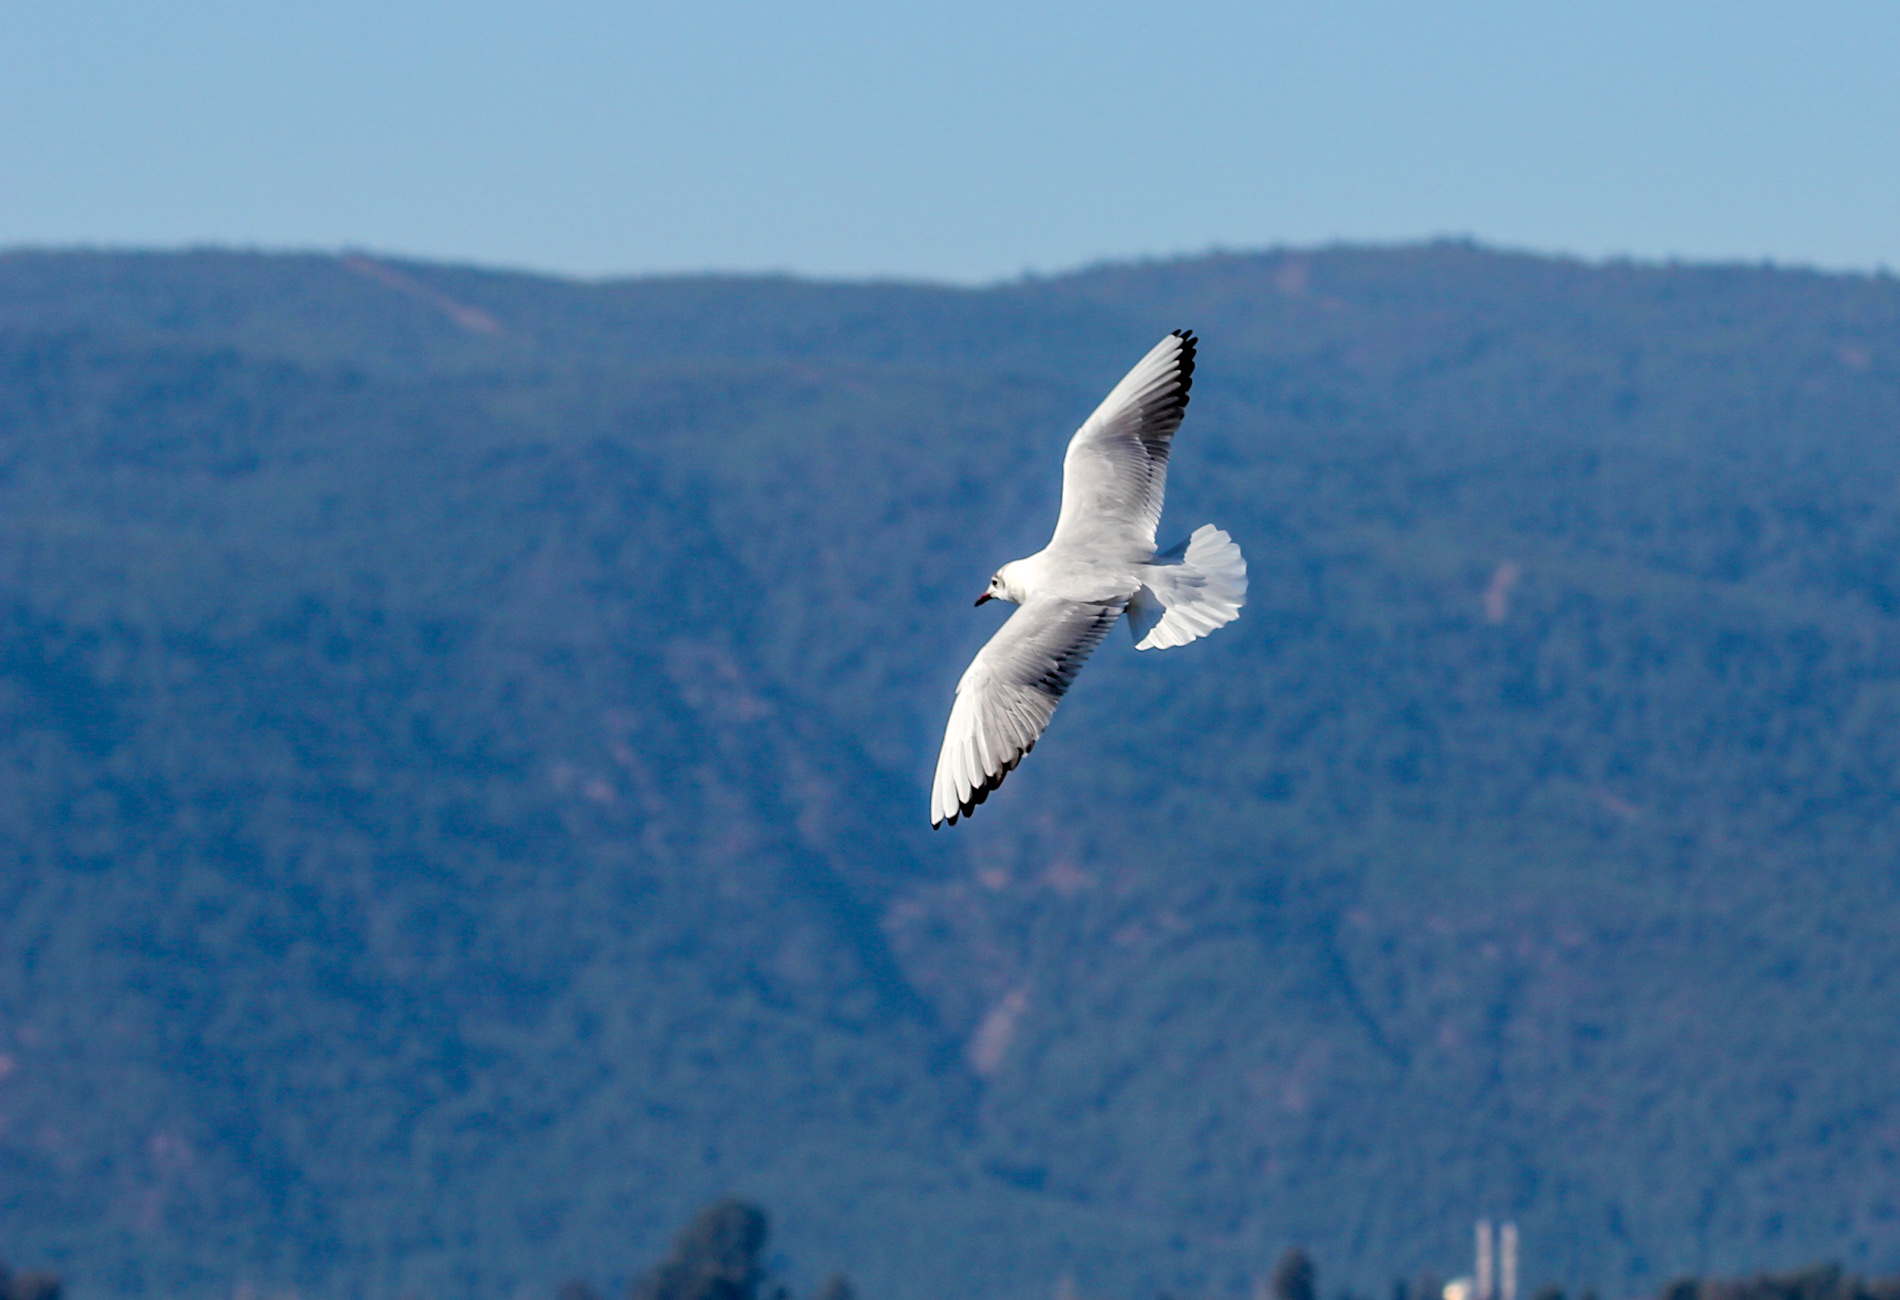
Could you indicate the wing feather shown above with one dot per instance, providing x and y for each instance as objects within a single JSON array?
[
  {"x": 1116, "y": 469},
  {"x": 1007, "y": 696}
]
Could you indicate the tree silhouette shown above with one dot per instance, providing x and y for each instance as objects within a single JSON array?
[
  {"x": 837, "y": 1287},
  {"x": 715, "y": 1258},
  {"x": 1293, "y": 1276},
  {"x": 33, "y": 1286},
  {"x": 28, "y": 1286}
]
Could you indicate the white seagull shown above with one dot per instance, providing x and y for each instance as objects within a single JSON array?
[{"x": 1100, "y": 564}]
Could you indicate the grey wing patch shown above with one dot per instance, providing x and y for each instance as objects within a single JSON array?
[
  {"x": 1007, "y": 696},
  {"x": 1116, "y": 470}
]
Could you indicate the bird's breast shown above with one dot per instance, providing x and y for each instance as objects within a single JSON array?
[{"x": 1088, "y": 579}]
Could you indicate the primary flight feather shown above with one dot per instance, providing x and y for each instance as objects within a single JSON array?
[{"x": 1101, "y": 565}]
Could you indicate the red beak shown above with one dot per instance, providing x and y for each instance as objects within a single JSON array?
[{"x": 985, "y": 596}]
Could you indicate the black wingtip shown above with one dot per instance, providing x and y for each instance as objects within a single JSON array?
[
  {"x": 980, "y": 795},
  {"x": 1189, "y": 346}
]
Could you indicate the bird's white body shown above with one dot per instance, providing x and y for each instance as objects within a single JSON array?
[
  {"x": 1100, "y": 565},
  {"x": 1065, "y": 576}
]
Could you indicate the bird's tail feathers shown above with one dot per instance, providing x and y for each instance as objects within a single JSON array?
[{"x": 1188, "y": 590}]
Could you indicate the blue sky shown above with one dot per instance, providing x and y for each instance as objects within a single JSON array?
[{"x": 968, "y": 141}]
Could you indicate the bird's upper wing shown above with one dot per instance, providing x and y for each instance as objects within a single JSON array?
[
  {"x": 1007, "y": 696},
  {"x": 1117, "y": 465}
]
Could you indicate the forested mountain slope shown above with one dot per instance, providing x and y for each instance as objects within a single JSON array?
[{"x": 466, "y": 741}]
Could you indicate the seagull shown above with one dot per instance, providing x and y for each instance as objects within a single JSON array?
[{"x": 1100, "y": 565}]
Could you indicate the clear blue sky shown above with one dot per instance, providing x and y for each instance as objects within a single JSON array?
[{"x": 964, "y": 141}]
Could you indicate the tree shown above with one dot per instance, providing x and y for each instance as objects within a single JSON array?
[
  {"x": 33, "y": 1286},
  {"x": 1293, "y": 1276},
  {"x": 28, "y": 1286},
  {"x": 715, "y": 1258},
  {"x": 837, "y": 1287}
]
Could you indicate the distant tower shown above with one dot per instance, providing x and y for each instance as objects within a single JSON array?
[
  {"x": 1507, "y": 1262},
  {"x": 1481, "y": 1278}
]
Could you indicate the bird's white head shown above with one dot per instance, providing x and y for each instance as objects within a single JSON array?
[{"x": 1004, "y": 585}]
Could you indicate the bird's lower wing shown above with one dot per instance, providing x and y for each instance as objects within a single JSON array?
[{"x": 1007, "y": 696}]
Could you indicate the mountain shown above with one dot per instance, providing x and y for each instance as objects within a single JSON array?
[{"x": 467, "y": 736}]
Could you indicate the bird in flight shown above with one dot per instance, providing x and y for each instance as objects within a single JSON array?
[{"x": 1100, "y": 565}]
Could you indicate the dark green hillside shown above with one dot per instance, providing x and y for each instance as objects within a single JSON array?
[{"x": 466, "y": 742}]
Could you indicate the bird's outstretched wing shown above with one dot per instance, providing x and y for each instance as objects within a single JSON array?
[
  {"x": 1007, "y": 696},
  {"x": 1116, "y": 469}
]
